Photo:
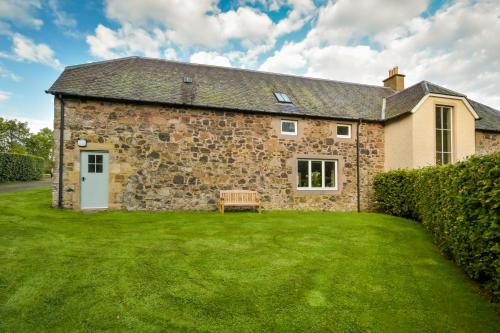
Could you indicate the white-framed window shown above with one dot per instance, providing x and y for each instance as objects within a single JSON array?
[
  {"x": 444, "y": 149},
  {"x": 289, "y": 127},
  {"x": 313, "y": 174},
  {"x": 344, "y": 131}
]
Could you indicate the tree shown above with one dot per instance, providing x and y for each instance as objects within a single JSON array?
[
  {"x": 13, "y": 136},
  {"x": 40, "y": 144}
]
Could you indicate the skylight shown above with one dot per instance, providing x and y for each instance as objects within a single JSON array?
[{"x": 282, "y": 98}]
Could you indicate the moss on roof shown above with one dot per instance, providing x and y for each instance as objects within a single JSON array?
[{"x": 137, "y": 79}]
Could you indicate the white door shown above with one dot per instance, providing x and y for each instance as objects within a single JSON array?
[{"x": 93, "y": 179}]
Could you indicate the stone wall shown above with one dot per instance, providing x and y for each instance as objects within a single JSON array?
[
  {"x": 487, "y": 142},
  {"x": 163, "y": 158}
]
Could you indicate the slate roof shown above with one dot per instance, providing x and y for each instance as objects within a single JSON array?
[
  {"x": 160, "y": 81},
  {"x": 489, "y": 117},
  {"x": 138, "y": 79}
]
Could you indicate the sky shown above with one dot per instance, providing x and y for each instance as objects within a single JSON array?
[{"x": 452, "y": 43}]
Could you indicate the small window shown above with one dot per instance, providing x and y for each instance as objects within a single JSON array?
[
  {"x": 316, "y": 174},
  {"x": 282, "y": 98},
  {"x": 289, "y": 127},
  {"x": 344, "y": 131},
  {"x": 95, "y": 164}
]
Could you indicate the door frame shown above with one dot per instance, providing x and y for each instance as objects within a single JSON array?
[{"x": 90, "y": 151}]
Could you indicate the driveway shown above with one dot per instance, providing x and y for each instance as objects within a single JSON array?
[{"x": 46, "y": 181}]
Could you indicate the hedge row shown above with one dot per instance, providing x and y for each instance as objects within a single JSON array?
[
  {"x": 20, "y": 167},
  {"x": 459, "y": 204}
]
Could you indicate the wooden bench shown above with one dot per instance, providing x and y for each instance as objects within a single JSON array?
[{"x": 239, "y": 198}]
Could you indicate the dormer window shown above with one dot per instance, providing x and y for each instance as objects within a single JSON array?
[{"x": 282, "y": 97}]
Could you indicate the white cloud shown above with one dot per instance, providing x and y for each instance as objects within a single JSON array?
[
  {"x": 25, "y": 49},
  {"x": 170, "y": 54},
  {"x": 289, "y": 59},
  {"x": 210, "y": 58},
  {"x": 61, "y": 18},
  {"x": 346, "y": 21},
  {"x": 108, "y": 43},
  {"x": 6, "y": 74},
  {"x": 4, "y": 95},
  {"x": 302, "y": 11},
  {"x": 195, "y": 23},
  {"x": 20, "y": 12},
  {"x": 246, "y": 24},
  {"x": 187, "y": 22}
]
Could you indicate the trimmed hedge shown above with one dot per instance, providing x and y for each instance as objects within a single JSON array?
[
  {"x": 20, "y": 167},
  {"x": 459, "y": 204}
]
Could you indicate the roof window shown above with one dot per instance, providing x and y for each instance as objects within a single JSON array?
[{"x": 282, "y": 98}]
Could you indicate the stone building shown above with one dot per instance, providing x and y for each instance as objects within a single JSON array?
[{"x": 137, "y": 133}]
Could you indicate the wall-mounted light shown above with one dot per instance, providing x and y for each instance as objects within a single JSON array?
[{"x": 82, "y": 143}]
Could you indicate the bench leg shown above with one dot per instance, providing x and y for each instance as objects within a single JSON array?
[{"x": 221, "y": 208}]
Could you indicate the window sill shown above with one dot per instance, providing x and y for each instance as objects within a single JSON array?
[{"x": 317, "y": 188}]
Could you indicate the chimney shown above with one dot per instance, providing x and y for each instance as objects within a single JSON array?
[{"x": 395, "y": 80}]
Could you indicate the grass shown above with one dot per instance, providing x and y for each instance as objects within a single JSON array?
[{"x": 239, "y": 272}]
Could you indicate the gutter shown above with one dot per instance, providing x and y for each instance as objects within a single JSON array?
[
  {"x": 358, "y": 185},
  {"x": 61, "y": 154}
]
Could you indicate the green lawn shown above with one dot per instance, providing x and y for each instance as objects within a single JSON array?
[{"x": 239, "y": 272}]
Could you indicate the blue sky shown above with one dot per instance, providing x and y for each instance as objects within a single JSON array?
[{"x": 453, "y": 43}]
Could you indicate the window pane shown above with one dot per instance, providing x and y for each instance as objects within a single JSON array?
[
  {"x": 446, "y": 158},
  {"x": 285, "y": 98},
  {"x": 446, "y": 118},
  {"x": 439, "y": 136},
  {"x": 98, "y": 158},
  {"x": 446, "y": 141},
  {"x": 288, "y": 126},
  {"x": 316, "y": 180},
  {"x": 438, "y": 117},
  {"x": 439, "y": 158},
  {"x": 91, "y": 158},
  {"x": 329, "y": 174},
  {"x": 302, "y": 173},
  {"x": 91, "y": 168},
  {"x": 98, "y": 168},
  {"x": 343, "y": 130}
]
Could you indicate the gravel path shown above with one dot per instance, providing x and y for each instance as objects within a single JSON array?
[{"x": 46, "y": 181}]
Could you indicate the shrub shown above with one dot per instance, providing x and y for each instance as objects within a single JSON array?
[
  {"x": 20, "y": 167},
  {"x": 459, "y": 204},
  {"x": 394, "y": 193}
]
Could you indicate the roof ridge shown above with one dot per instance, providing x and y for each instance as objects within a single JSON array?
[
  {"x": 426, "y": 87},
  {"x": 100, "y": 62},
  {"x": 413, "y": 85},
  {"x": 228, "y": 68},
  {"x": 437, "y": 85}
]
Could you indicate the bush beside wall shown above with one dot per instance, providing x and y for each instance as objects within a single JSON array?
[
  {"x": 20, "y": 167},
  {"x": 459, "y": 204}
]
